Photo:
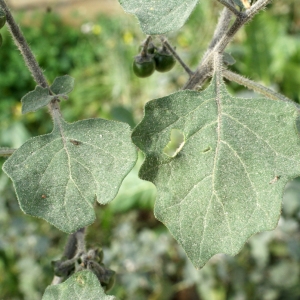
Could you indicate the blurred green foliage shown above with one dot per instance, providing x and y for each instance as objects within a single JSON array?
[{"x": 149, "y": 263}]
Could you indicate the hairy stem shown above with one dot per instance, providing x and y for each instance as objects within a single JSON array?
[
  {"x": 28, "y": 56},
  {"x": 144, "y": 52},
  {"x": 206, "y": 66},
  {"x": 21, "y": 43},
  {"x": 221, "y": 28},
  {"x": 6, "y": 151},
  {"x": 176, "y": 56},
  {"x": 254, "y": 86}
]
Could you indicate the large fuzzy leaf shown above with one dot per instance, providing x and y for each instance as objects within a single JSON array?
[
  {"x": 82, "y": 285},
  {"x": 225, "y": 180},
  {"x": 160, "y": 16},
  {"x": 59, "y": 175}
]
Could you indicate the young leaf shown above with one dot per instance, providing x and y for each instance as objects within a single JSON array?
[
  {"x": 81, "y": 285},
  {"x": 36, "y": 99},
  {"x": 57, "y": 176},
  {"x": 159, "y": 17},
  {"x": 62, "y": 85},
  {"x": 226, "y": 181}
]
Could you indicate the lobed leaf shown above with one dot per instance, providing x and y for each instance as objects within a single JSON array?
[
  {"x": 225, "y": 181},
  {"x": 160, "y": 16},
  {"x": 62, "y": 85},
  {"x": 58, "y": 176},
  {"x": 36, "y": 99},
  {"x": 81, "y": 285}
]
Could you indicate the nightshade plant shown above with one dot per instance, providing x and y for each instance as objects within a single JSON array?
[{"x": 222, "y": 183}]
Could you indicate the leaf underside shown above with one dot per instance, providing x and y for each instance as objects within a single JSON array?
[
  {"x": 160, "y": 16},
  {"x": 226, "y": 182},
  {"x": 81, "y": 285},
  {"x": 58, "y": 176}
]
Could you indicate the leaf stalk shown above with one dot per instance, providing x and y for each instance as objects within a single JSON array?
[
  {"x": 206, "y": 65},
  {"x": 176, "y": 56}
]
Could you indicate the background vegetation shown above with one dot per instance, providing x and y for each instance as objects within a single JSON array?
[{"x": 149, "y": 263}]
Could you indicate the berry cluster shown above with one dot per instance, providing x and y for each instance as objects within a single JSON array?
[
  {"x": 152, "y": 58},
  {"x": 2, "y": 22}
]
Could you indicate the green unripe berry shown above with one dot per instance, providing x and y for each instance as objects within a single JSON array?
[
  {"x": 164, "y": 61},
  {"x": 2, "y": 18},
  {"x": 143, "y": 66},
  {"x": 111, "y": 282}
]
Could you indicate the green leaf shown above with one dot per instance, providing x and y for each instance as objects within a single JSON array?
[
  {"x": 81, "y": 285},
  {"x": 58, "y": 176},
  {"x": 159, "y": 17},
  {"x": 62, "y": 85},
  {"x": 2, "y": 18},
  {"x": 228, "y": 59},
  {"x": 226, "y": 181},
  {"x": 36, "y": 99}
]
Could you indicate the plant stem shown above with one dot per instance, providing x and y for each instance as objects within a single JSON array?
[
  {"x": 176, "y": 56},
  {"x": 74, "y": 247},
  {"x": 221, "y": 28},
  {"x": 28, "y": 56},
  {"x": 254, "y": 86},
  {"x": 6, "y": 151},
  {"x": 144, "y": 52},
  {"x": 21, "y": 43},
  {"x": 230, "y": 7},
  {"x": 206, "y": 65}
]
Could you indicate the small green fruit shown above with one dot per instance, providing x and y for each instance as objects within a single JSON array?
[
  {"x": 143, "y": 66},
  {"x": 164, "y": 60},
  {"x": 2, "y": 18},
  {"x": 111, "y": 282}
]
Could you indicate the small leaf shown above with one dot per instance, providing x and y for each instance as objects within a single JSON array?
[
  {"x": 226, "y": 181},
  {"x": 228, "y": 59},
  {"x": 62, "y": 85},
  {"x": 58, "y": 176},
  {"x": 36, "y": 99},
  {"x": 159, "y": 17},
  {"x": 81, "y": 285}
]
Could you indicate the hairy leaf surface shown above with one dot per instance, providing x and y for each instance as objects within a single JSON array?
[
  {"x": 62, "y": 85},
  {"x": 59, "y": 175},
  {"x": 226, "y": 179},
  {"x": 160, "y": 16},
  {"x": 36, "y": 99},
  {"x": 81, "y": 285}
]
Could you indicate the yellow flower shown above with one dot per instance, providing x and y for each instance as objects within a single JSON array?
[
  {"x": 127, "y": 38},
  {"x": 97, "y": 29},
  {"x": 17, "y": 110}
]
